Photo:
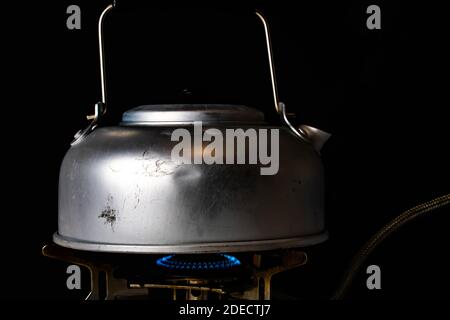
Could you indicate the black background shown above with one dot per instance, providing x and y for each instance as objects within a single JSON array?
[{"x": 383, "y": 94}]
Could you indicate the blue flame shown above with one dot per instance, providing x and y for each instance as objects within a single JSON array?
[{"x": 224, "y": 262}]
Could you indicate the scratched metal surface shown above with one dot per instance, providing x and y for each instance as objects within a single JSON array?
[{"x": 120, "y": 187}]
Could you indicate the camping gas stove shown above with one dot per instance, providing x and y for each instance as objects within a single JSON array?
[{"x": 217, "y": 276}]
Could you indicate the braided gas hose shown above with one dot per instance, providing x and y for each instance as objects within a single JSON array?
[{"x": 382, "y": 234}]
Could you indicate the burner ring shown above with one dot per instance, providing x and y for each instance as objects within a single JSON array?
[{"x": 198, "y": 262}]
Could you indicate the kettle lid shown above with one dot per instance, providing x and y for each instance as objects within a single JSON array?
[{"x": 167, "y": 114}]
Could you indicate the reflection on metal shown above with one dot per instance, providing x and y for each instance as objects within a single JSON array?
[
  {"x": 297, "y": 132},
  {"x": 102, "y": 51},
  {"x": 279, "y": 106},
  {"x": 192, "y": 286},
  {"x": 316, "y": 136},
  {"x": 271, "y": 64},
  {"x": 252, "y": 283},
  {"x": 99, "y": 109},
  {"x": 207, "y": 247},
  {"x": 290, "y": 260}
]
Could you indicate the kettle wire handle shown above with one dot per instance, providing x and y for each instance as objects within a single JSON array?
[
  {"x": 102, "y": 55},
  {"x": 100, "y": 107}
]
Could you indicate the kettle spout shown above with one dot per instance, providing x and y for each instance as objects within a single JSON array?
[{"x": 316, "y": 136}]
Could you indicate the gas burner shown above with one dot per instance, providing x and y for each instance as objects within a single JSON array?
[
  {"x": 189, "y": 276},
  {"x": 207, "y": 262}
]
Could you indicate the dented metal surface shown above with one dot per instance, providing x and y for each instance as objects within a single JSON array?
[{"x": 120, "y": 190}]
